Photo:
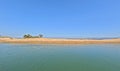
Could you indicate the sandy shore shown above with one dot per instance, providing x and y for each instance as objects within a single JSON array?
[{"x": 58, "y": 41}]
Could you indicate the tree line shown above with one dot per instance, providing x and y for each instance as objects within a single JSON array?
[{"x": 30, "y": 36}]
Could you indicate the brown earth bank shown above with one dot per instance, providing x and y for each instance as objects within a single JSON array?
[{"x": 58, "y": 41}]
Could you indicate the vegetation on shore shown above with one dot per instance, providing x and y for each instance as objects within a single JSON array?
[
  {"x": 5, "y": 37},
  {"x": 30, "y": 36}
]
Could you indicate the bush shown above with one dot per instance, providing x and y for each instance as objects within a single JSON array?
[
  {"x": 27, "y": 36},
  {"x": 40, "y": 35}
]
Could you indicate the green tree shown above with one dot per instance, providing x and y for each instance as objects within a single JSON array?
[
  {"x": 40, "y": 35},
  {"x": 27, "y": 36}
]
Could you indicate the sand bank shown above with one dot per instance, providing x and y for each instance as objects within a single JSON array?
[{"x": 58, "y": 41}]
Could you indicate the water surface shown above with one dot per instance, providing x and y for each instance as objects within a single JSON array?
[{"x": 15, "y": 57}]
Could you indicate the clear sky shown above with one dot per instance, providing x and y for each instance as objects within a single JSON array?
[{"x": 60, "y": 18}]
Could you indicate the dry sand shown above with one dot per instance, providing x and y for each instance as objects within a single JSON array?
[{"x": 58, "y": 41}]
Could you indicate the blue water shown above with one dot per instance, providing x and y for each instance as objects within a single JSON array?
[{"x": 16, "y": 57}]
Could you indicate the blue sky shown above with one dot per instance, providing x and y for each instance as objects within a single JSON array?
[{"x": 60, "y": 18}]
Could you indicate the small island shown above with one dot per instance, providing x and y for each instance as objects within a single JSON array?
[{"x": 29, "y": 39}]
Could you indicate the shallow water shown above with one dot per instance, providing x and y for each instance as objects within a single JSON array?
[{"x": 15, "y": 57}]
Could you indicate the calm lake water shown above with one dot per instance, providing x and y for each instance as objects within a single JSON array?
[{"x": 15, "y": 57}]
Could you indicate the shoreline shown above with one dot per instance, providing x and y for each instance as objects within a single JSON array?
[{"x": 59, "y": 41}]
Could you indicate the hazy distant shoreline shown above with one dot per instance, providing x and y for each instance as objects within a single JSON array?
[{"x": 58, "y": 41}]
